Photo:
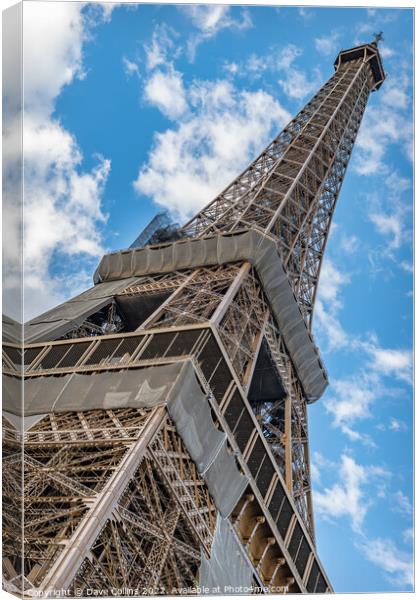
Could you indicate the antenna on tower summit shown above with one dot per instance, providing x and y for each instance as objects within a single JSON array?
[{"x": 378, "y": 38}]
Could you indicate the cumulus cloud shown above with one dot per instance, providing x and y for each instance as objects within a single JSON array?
[
  {"x": 328, "y": 304},
  {"x": 351, "y": 497},
  {"x": 388, "y": 224},
  {"x": 130, "y": 67},
  {"x": 380, "y": 128},
  {"x": 391, "y": 212},
  {"x": 318, "y": 463},
  {"x": 349, "y": 243},
  {"x": 305, "y": 14},
  {"x": 166, "y": 91},
  {"x": 63, "y": 214},
  {"x": 62, "y": 206},
  {"x": 162, "y": 48},
  {"x": 390, "y": 362},
  {"x": 52, "y": 52},
  {"x": 349, "y": 401},
  {"x": 193, "y": 161},
  {"x": 396, "y": 563},
  {"x": 397, "y": 425},
  {"x": 347, "y": 497},
  {"x": 278, "y": 59},
  {"x": 396, "y": 97},
  {"x": 408, "y": 535},
  {"x": 386, "y": 51},
  {"x": 386, "y": 124},
  {"x": 287, "y": 55},
  {"x": 327, "y": 45},
  {"x": 296, "y": 83},
  {"x": 330, "y": 327},
  {"x": 330, "y": 283},
  {"x": 403, "y": 504},
  {"x": 209, "y": 19}
]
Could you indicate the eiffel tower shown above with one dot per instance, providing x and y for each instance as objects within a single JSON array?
[{"x": 164, "y": 434}]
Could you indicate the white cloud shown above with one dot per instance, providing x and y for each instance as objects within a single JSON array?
[
  {"x": 408, "y": 535},
  {"x": 62, "y": 209},
  {"x": 351, "y": 497},
  {"x": 330, "y": 283},
  {"x": 305, "y": 13},
  {"x": 391, "y": 212},
  {"x": 385, "y": 124},
  {"x": 375, "y": 21},
  {"x": 396, "y": 97},
  {"x": 277, "y": 60},
  {"x": 386, "y": 225},
  {"x": 349, "y": 401},
  {"x": 318, "y": 463},
  {"x": 384, "y": 553},
  {"x": 390, "y": 362},
  {"x": 347, "y": 497},
  {"x": 53, "y": 40},
  {"x": 106, "y": 9},
  {"x": 284, "y": 59},
  {"x": 209, "y": 19},
  {"x": 315, "y": 473},
  {"x": 232, "y": 68},
  {"x": 386, "y": 51},
  {"x": 296, "y": 83},
  {"x": 403, "y": 504},
  {"x": 329, "y": 326},
  {"x": 349, "y": 243},
  {"x": 396, "y": 425},
  {"x": 161, "y": 48},
  {"x": 327, "y": 45},
  {"x": 256, "y": 65},
  {"x": 166, "y": 91},
  {"x": 192, "y": 162},
  {"x": 130, "y": 67},
  {"x": 406, "y": 266},
  {"x": 63, "y": 214},
  {"x": 380, "y": 128},
  {"x": 328, "y": 303},
  {"x": 397, "y": 185}
]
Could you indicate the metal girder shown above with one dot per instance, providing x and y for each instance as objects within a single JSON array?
[
  {"x": 102, "y": 513},
  {"x": 241, "y": 190},
  {"x": 294, "y": 199},
  {"x": 231, "y": 297}
]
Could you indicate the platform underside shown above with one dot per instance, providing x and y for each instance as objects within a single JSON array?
[{"x": 163, "y": 444}]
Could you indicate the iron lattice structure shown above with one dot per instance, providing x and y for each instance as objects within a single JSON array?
[{"x": 113, "y": 495}]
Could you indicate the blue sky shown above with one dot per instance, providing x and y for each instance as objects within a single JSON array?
[{"x": 129, "y": 109}]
